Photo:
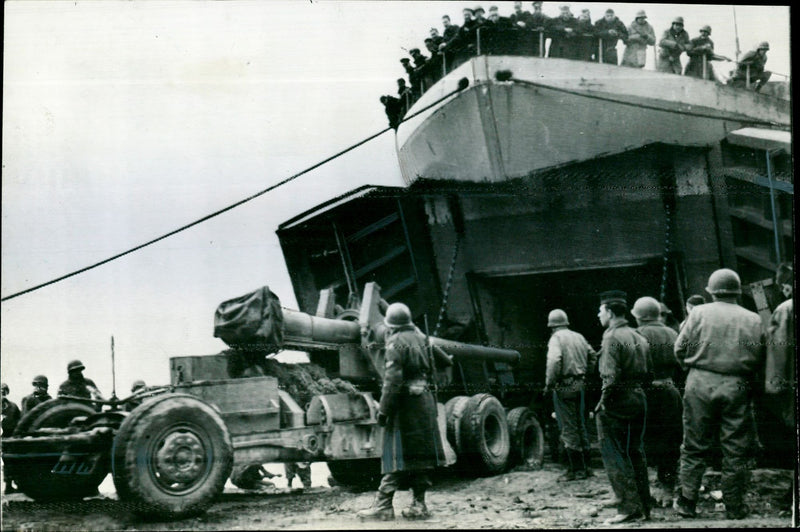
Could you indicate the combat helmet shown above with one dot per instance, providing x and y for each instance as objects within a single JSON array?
[{"x": 724, "y": 282}]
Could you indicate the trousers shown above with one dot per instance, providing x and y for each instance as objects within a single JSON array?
[
  {"x": 716, "y": 405},
  {"x": 622, "y": 449},
  {"x": 570, "y": 415}
]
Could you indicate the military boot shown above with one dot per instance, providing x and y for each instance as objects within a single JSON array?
[
  {"x": 418, "y": 509},
  {"x": 381, "y": 509},
  {"x": 685, "y": 507},
  {"x": 586, "y": 455},
  {"x": 571, "y": 467}
]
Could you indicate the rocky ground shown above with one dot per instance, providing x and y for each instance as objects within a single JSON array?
[{"x": 517, "y": 499}]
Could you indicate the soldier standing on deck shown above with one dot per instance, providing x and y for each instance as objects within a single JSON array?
[
  {"x": 673, "y": 43},
  {"x": 622, "y": 409},
  {"x": 569, "y": 359},
  {"x": 640, "y": 35},
  {"x": 756, "y": 60},
  {"x": 39, "y": 395},
  {"x": 411, "y": 443},
  {"x": 664, "y": 432},
  {"x": 722, "y": 344},
  {"x": 610, "y": 29}
]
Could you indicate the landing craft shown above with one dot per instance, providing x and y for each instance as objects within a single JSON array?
[{"x": 535, "y": 183}]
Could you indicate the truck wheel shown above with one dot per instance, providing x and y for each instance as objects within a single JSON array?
[
  {"x": 360, "y": 474},
  {"x": 34, "y": 473},
  {"x": 527, "y": 439},
  {"x": 484, "y": 432},
  {"x": 172, "y": 456},
  {"x": 454, "y": 409}
]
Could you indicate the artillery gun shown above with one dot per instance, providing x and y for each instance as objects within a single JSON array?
[{"x": 172, "y": 448}]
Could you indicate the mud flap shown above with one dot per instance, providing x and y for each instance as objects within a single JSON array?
[{"x": 441, "y": 420}]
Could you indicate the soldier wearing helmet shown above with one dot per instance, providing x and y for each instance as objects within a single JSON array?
[
  {"x": 755, "y": 60},
  {"x": 412, "y": 446},
  {"x": 10, "y": 418},
  {"x": 640, "y": 35},
  {"x": 662, "y": 439},
  {"x": 569, "y": 359},
  {"x": 703, "y": 47},
  {"x": 723, "y": 347},
  {"x": 38, "y": 396},
  {"x": 673, "y": 43},
  {"x": 77, "y": 385}
]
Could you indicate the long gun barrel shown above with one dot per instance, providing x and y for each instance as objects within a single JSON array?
[{"x": 303, "y": 331}]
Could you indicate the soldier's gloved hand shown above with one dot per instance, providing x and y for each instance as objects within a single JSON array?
[{"x": 382, "y": 419}]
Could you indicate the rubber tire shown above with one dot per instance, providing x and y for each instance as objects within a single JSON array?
[
  {"x": 527, "y": 438},
  {"x": 33, "y": 477},
  {"x": 484, "y": 431},
  {"x": 454, "y": 410},
  {"x": 132, "y": 457},
  {"x": 359, "y": 474}
]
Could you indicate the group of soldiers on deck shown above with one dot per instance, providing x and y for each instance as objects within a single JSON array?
[{"x": 570, "y": 37}]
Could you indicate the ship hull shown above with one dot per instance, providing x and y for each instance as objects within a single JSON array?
[{"x": 554, "y": 112}]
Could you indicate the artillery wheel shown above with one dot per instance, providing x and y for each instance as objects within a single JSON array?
[
  {"x": 172, "y": 456},
  {"x": 34, "y": 473},
  {"x": 527, "y": 438},
  {"x": 454, "y": 410},
  {"x": 484, "y": 432},
  {"x": 361, "y": 473}
]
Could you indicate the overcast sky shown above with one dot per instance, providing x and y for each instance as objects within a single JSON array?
[{"x": 125, "y": 120}]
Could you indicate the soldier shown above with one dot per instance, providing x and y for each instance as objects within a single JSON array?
[
  {"x": 640, "y": 35},
  {"x": 394, "y": 110},
  {"x": 562, "y": 32},
  {"x": 519, "y": 18},
  {"x": 610, "y": 29},
  {"x": 781, "y": 378},
  {"x": 538, "y": 23},
  {"x": 301, "y": 470},
  {"x": 11, "y": 415},
  {"x": 756, "y": 60},
  {"x": 722, "y": 344},
  {"x": 622, "y": 409},
  {"x": 668, "y": 318},
  {"x": 450, "y": 31},
  {"x": 38, "y": 396},
  {"x": 693, "y": 301},
  {"x": 436, "y": 38},
  {"x": 673, "y": 43},
  {"x": 569, "y": 359},
  {"x": 664, "y": 425},
  {"x": 77, "y": 385},
  {"x": 585, "y": 42},
  {"x": 411, "y": 443},
  {"x": 701, "y": 47},
  {"x": 252, "y": 477},
  {"x": 137, "y": 386}
]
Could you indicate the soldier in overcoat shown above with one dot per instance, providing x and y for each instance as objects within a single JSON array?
[
  {"x": 412, "y": 446},
  {"x": 610, "y": 30},
  {"x": 640, "y": 36}
]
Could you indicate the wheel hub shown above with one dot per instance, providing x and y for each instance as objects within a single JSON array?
[{"x": 180, "y": 458}]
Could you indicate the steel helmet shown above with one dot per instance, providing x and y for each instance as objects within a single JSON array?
[
  {"x": 677, "y": 20},
  {"x": 646, "y": 308},
  {"x": 724, "y": 282},
  {"x": 557, "y": 318},
  {"x": 40, "y": 379},
  {"x": 641, "y": 14},
  {"x": 397, "y": 315},
  {"x": 763, "y": 46},
  {"x": 4, "y": 388},
  {"x": 75, "y": 365},
  {"x": 706, "y": 28},
  {"x": 137, "y": 385}
]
